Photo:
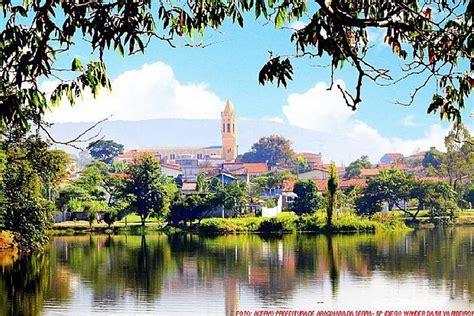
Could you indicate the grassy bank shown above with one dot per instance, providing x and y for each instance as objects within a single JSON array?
[{"x": 289, "y": 222}]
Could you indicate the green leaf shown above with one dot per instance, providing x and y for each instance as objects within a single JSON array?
[{"x": 76, "y": 64}]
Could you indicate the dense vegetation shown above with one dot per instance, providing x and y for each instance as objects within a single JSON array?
[{"x": 36, "y": 185}]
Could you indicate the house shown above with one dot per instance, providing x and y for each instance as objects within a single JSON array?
[
  {"x": 318, "y": 173},
  {"x": 189, "y": 166},
  {"x": 252, "y": 170},
  {"x": 311, "y": 159},
  {"x": 225, "y": 178},
  {"x": 369, "y": 173},
  {"x": 171, "y": 170},
  {"x": 390, "y": 158},
  {"x": 227, "y": 151},
  {"x": 347, "y": 184}
]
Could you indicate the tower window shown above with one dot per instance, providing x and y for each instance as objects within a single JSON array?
[
  {"x": 233, "y": 128},
  {"x": 223, "y": 127},
  {"x": 228, "y": 127},
  {"x": 199, "y": 156}
]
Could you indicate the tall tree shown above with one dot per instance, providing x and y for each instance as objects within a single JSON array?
[
  {"x": 148, "y": 192},
  {"x": 105, "y": 150},
  {"x": 27, "y": 214},
  {"x": 460, "y": 154},
  {"x": 333, "y": 185},
  {"x": 273, "y": 150}
]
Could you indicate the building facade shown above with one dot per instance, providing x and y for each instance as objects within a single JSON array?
[
  {"x": 229, "y": 133},
  {"x": 205, "y": 156}
]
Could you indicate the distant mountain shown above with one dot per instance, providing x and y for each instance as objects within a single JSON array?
[{"x": 181, "y": 132}]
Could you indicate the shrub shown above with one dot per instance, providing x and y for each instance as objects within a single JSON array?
[
  {"x": 283, "y": 222},
  {"x": 229, "y": 225}
]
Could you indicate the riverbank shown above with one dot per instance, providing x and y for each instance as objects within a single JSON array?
[{"x": 285, "y": 222}]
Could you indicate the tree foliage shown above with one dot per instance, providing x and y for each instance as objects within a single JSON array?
[
  {"x": 308, "y": 199},
  {"x": 273, "y": 150},
  {"x": 105, "y": 150},
  {"x": 26, "y": 212},
  {"x": 460, "y": 155},
  {"x": 331, "y": 195},
  {"x": 353, "y": 169},
  {"x": 148, "y": 192}
]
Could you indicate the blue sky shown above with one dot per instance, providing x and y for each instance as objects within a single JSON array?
[{"x": 228, "y": 69}]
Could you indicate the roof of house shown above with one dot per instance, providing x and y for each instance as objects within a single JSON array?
[
  {"x": 244, "y": 167},
  {"x": 347, "y": 183},
  {"x": 171, "y": 166},
  {"x": 392, "y": 156},
  {"x": 369, "y": 172},
  {"x": 321, "y": 185},
  {"x": 258, "y": 167}
]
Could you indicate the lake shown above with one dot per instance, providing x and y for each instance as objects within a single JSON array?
[{"x": 184, "y": 274}]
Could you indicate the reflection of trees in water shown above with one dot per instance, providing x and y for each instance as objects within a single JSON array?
[
  {"x": 28, "y": 282},
  {"x": 115, "y": 266}
]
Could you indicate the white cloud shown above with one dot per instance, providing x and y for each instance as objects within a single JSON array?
[
  {"x": 148, "y": 93},
  {"x": 325, "y": 111},
  {"x": 318, "y": 108}
]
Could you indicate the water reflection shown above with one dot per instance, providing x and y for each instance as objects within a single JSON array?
[{"x": 191, "y": 274}]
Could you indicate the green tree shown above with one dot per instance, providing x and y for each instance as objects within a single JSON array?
[
  {"x": 188, "y": 208},
  {"x": 438, "y": 197},
  {"x": 147, "y": 191},
  {"x": 331, "y": 195},
  {"x": 433, "y": 159},
  {"x": 353, "y": 170},
  {"x": 91, "y": 210},
  {"x": 105, "y": 150},
  {"x": 236, "y": 196},
  {"x": 301, "y": 165},
  {"x": 459, "y": 160},
  {"x": 202, "y": 185},
  {"x": 272, "y": 150},
  {"x": 391, "y": 186},
  {"x": 273, "y": 180},
  {"x": 308, "y": 199},
  {"x": 26, "y": 213}
]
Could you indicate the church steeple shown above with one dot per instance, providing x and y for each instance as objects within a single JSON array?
[
  {"x": 229, "y": 107},
  {"x": 229, "y": 132}
]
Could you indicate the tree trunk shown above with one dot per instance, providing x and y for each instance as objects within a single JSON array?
[{"x": 143, "y": 218}]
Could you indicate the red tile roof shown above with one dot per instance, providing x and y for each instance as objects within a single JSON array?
[
  {"x": 393, "y": 156},
  {"x": 171, "y": 166},
  {"x": 369, "y": 172},
  {"x": 259, "y": 167},
  {"x": 353, "y": 182}
]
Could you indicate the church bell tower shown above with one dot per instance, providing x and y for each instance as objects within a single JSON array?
[{"x": 229, "y": 133}]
